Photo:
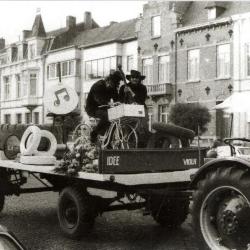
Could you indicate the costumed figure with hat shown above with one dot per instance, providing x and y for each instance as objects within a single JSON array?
[
  {"x": 136, "y": 92},
  {"x": 101, "y": 94}
]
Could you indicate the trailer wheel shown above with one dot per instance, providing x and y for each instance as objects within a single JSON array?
[
  {"x": 221, "y": 209},
  {"x": 74, "y": 212},
  {"x": 169, "y": 213}
]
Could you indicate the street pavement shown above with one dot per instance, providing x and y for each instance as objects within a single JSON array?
[{"x": 33, "y": 219}]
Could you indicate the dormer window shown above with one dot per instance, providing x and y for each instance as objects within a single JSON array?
[
  {"x": 211, "y": 13},
  {"x": 215, "y": 9}
]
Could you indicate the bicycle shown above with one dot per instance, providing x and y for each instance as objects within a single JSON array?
[{"x": 120, "y": 134}]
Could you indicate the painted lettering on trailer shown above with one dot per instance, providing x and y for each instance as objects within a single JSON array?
[
  {"x": 113, "y": 160},
  {"x": 188, "y": 162}
]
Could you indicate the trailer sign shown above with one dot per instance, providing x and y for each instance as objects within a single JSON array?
[
  {"x": 113, "y": 160},
  {"x": 133, "y": 161},
  {"x": 190, "y": 162}
]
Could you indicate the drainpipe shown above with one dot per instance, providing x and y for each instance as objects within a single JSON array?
[
  {"x": 175, "y": 67},
  {"x": 43, "y": 82},
  {"x": 0, "y": 95}
]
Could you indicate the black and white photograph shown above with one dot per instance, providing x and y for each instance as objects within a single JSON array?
[{"x": 124, "y": 125}]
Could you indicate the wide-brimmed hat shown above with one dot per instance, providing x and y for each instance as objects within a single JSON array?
[
  {"x": 135, "y": 74},
  {"x": 115, "y": 75}
]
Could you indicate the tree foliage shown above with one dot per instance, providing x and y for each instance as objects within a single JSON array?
[{"x": 190, "y": 116}]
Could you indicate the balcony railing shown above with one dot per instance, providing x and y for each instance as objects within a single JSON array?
[{"x": 160, "y": 89}]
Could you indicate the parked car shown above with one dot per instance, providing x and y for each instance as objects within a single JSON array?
[{"x": 240, "y": 151}]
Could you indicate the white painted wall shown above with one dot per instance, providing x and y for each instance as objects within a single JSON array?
[{"x": 241, "y": 36}]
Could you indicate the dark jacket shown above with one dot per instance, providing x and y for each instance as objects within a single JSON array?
[
  {"x": 99, "y": 95},
  {"x": 140, "y": 91}
]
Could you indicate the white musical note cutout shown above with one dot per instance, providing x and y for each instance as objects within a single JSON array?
[{"x": 60, "y": 99}]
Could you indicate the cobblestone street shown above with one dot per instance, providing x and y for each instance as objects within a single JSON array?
[{"x": 33, "y": 218}]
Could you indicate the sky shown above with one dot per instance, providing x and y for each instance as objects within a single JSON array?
[{"x": 16, "y": 16}]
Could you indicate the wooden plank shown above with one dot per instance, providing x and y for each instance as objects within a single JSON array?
[
  {"x": 152, "y": 178},
  {"x": 124, "y": 179}
]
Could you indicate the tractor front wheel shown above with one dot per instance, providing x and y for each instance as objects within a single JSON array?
[{"x": 221, "y": 209}]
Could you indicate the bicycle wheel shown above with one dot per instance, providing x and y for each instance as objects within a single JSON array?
[{"x": 124, "y": 137}]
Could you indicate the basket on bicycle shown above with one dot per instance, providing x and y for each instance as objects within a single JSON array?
[{"x": 126, "y": 112}]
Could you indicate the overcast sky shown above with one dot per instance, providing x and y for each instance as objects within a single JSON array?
[{"x": 16, "y": 16}]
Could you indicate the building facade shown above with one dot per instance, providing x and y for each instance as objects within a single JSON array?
[
  {"x": 190, "y": 48},
  {"x": 190, "y": 52},
  {"x": 29, "y": 67}
]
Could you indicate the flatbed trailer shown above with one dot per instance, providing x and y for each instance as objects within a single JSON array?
[{"x": 138, "y": 179}]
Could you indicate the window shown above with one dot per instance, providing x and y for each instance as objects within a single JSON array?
[
  {"x": 36, "y": 117},
  {"x": 67, "y": 69},
  {"x": 130, "y": 63},
  {"x": 52, "y": 71},
  {"x": 193, "y": 64},
  {"x": 164, "y": 70},
  {"x": 150, "y": 117},
  {"x": 33, "y": 83},
  {"x": 6, "y": 80},
  {"x": 14, "y": 54},
  {"x": 223, "y": 60},
  {"x": 147, "y": 69},
  {"x": 7, "y": 118},
  {"x": 27, "y": 118},
  {"x": 211, "y": 13},
  {"x": 248, "y": 59},
  {"x": 163, "y": 114},
  {"x": 31, "y": 51},
  {"x": 18, "y": 118},
  {"x": 101, "y": 67},
  {"x": 156, "y": 26},
  {"x": 18, "y": 86}
]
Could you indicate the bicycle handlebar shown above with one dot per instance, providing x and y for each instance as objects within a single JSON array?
[{"x": 109, "y": 105}]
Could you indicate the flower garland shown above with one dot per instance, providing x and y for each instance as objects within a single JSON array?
[{"x": 83, "y": 157}]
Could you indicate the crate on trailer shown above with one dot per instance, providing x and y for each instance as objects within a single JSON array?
[{"x": 126, "y": 110}]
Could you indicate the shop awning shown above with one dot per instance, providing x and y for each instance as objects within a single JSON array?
[{"x": 236, "y": 103}]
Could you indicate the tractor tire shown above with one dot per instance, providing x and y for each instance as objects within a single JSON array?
[
  {"x": 169, "y": 213},
  {"x": 174, "y": 130},
  {"x": 221, "y": 209},
  {"x": 75, "y": 213},
  {"x": 2, "y": 201}
]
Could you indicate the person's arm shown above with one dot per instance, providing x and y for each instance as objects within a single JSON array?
[
  {"x": 121, "y": 94},
  {"x": 99, "y": 96},
  {"x": 140, "y": 96}
]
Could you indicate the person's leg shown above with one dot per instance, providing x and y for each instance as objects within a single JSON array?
[{"x": 102, "y": 125}]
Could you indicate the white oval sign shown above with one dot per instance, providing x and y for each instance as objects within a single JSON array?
[{"x": 60, "y": 99}]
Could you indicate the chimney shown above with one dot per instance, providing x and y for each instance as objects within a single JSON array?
[
  {"x": 26, "y": 34},
  {"x": 70, "y": 22},
  {"x": 87, "y": 20},
  {"x": 2, "y": 43}
]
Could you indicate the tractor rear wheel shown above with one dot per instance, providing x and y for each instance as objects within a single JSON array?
[{"x": 221, "y": 209}]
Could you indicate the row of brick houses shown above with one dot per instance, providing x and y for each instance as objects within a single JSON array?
[{"x": 189, "y": 51}]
